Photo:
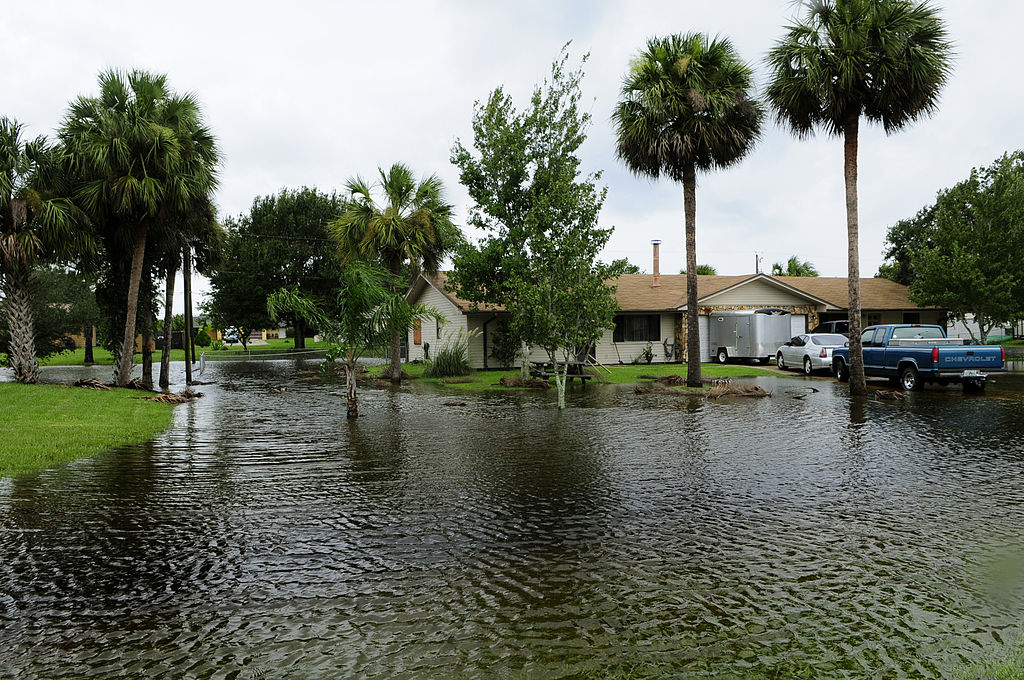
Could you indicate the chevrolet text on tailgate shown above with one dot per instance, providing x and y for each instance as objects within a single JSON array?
[{"x": 912, "y": 355}]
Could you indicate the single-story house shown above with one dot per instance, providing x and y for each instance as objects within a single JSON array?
[{"x": 653, "y": 311}]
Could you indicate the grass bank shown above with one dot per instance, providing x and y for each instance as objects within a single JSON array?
[
  {"x": 102, "y": 357},
  {"x": 624, "y": 374},
  {"x": 1007, "y": 665},
  {"x": 46, "y": 425}
]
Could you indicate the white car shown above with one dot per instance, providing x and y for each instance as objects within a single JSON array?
[{"x": 810, "y": 351}]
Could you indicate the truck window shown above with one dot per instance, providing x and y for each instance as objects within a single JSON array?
[
  {"x": 923, "y": 332},
  {"x": 865, "y": 338},
  {"x": 880, "y": 337}
]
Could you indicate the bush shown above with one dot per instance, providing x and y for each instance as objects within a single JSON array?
[
  {"x": 452, "y": 359},
  {"x": 217, "y": 345},
  {"x": 203, "y": 338}
]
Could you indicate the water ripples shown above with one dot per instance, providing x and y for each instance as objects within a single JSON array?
[{"x": 632, "y": 536}]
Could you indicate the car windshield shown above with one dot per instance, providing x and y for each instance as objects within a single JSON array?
[
  {"x": 831, "y": 339},
  {"x": 923, "y": 332}
]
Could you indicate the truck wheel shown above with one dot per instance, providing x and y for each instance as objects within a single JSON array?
[
  {"x": 842, "y": 372},
  {"x": 808, "y": 369},
  {"x": 779, "y": 361},
  {"x": 723, "y": 356},
  {"x": 910, "y": 380}
]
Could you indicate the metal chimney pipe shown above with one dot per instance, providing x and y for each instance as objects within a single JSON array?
[{"x": 657, "y": 274}]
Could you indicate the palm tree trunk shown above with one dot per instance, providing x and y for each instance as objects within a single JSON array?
[
  {"x": 350, "y": 386},
  {"x": 18, "y": 305},
  {"x": 87, "y": 333},
  {"x": 395, "y": 267},
  {"x": 692, "y": 327},
  {"x": 123, "y": 371},
  {"x": 858, "y": 386},
  {"x": 146, "y": 295},
  {"x": 190, "y": 350},
  {"x": 165, "y": 356}
]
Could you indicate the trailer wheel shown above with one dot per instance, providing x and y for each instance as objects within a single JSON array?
[
  {"x": 910, "y": 380},
  {"x": 723, "y": 356}
]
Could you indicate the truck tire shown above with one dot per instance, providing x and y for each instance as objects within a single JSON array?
[
  {"x": 808, "y": 369},
  {"x": 842, "y": 372},
  {"x": 723, "y": 356},
  {"x": 910, "y": 381}
]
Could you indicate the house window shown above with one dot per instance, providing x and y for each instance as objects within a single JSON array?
[
  {"x": 911, "y": 317},
  {"x": 417, "y": 332},
  {"x": 872, "y": 318},
  {"x": 637, "y": 328}
]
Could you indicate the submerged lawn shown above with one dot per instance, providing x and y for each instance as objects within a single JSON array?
[
  {"x": 618, "y": 374},
  {"x": 46, "y": 425},
  {"x": 102, "y": 357}
]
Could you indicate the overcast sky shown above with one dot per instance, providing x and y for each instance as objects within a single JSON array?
[{"x": 312, "y": 93}]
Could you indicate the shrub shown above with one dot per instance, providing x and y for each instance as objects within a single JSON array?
[
  {"x": 217, "y": 345},
  {"x": 203, "y": 338},
  {"x": 453, "y": 358}
]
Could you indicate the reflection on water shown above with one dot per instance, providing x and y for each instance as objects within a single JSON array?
[{"x": 632, "y": 535}]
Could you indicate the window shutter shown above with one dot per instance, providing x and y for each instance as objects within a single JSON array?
[{"x": 417, "y": 332}]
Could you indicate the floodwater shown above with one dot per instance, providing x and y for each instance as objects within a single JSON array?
[{"x": 263, "y": 535}]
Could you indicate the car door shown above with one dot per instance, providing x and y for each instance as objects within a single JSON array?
[
  {"x": 792, "y": 351},
  {"x": 805, "y": 347},
  {"x": 873, "y": 340}
]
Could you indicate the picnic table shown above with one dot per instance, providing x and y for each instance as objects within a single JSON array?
[{"x": 546, "y": 370}]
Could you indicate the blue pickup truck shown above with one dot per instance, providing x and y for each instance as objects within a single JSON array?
[{"x": 911, "y": 355}]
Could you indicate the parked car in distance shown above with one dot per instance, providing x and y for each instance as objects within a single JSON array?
[
  {"x": 810, "y": 351},
  {"x": 231, "y": 337},
  {"x": 841, "y": 327},
  {"x": 914, "y": 354}
]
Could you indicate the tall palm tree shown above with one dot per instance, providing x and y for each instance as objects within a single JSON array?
[
  {"x": 687, "y": 106},
  {"x": 412, "y": 226},
  {"x": 885, "y": 60},
  {"x": 143, "y": 152},
  {"x": 794, "y": 267},
  {"x": 38, "y": 222}
]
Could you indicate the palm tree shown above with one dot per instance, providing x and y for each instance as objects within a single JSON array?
[
  {"x": 143, "y": 152},
  {"x": 413, "y": 227},
  {"x": 885, "y": 60},
  {"x": 794, "y": 267},
  {"x": 38, "y": 222},
  {"x": 686, "y": 107}
]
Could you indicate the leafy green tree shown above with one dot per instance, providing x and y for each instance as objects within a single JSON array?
[
  {"x": 141, "y": 151},
  {"x": 794, "y": 267},
  {"x": 38, "y": 223},
  {"x": 412, "y": 226},
  {"x": 282, "y": 243},
  {"x": 884, "y": 60},
  {"x": 687, "y": 106},
  {"x": 703, "y": 270},
  {"x": 972, "y": 262},
  {"x": 540, "y": 213},
  {"x": 902, "y": 240},
  {"x": 360, "y": 321}
]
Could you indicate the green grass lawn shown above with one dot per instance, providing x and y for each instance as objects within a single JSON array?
[
  {"x": 103, "y": 357},
  {"x": 618, "y": 374},
  {"x": 1008, "y": 665},
  {"x": 46, "y": 425}
]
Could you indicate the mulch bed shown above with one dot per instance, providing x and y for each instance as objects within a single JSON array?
[{"x": 517, "y": 381}]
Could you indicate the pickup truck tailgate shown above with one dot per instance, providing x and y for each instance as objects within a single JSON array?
[{"x": 968, "y": 357}]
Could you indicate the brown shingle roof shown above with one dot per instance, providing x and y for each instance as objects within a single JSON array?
[
  {"x": 874, "y": 293},
  {"x": 636, "y": 294}
]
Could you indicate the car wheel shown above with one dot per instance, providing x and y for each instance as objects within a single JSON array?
[
  {"x": 808, "y": 369},
  {"x": 779, "y": 361},
  {"x": 723, "y": 356},
  {"x": 910, "y": 380},
  {"x": 842, "y": 372}
]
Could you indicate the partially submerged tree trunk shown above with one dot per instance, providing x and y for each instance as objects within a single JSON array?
[
  {"x": 693, "y": 378},
  {"x": 560, "y": 377},
  {"x": 352, "y": 410},
  {"x": 190, "y": 350},
  {"x": 146, "y": 297},
  {"x": 18, "y": 305},
  {"x": 165, "y": 357},
  {"x": 858, "y": 384},
  {"x": 123, "y": 370},
  {"x": 300, "y": 334},
  {"x": 395, "y": 267},
  {"x": 525, "y": 367}
]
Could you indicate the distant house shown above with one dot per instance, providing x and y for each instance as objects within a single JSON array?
[{"x": 653, "y": 311}]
